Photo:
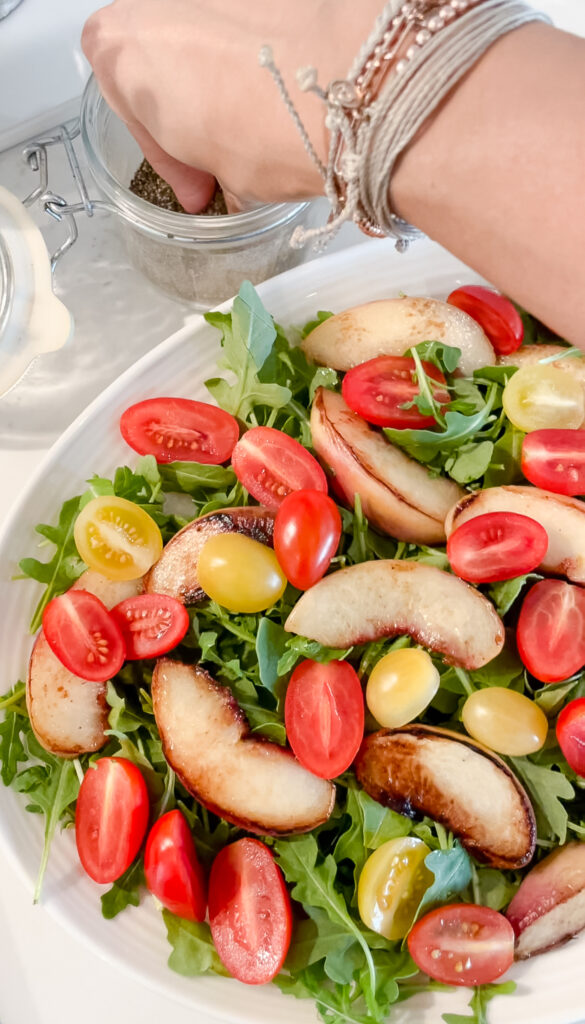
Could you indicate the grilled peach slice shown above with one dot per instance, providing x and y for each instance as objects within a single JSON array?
[
  {"x": 563, "y": 519},
  {"x": 246, "y": 780},
  {"x": 389, "y": 327},
  {"x": 389, "y": 597},
  {"x": 549, "y": 907},
  {"x": 175, "y": 573},
  {"x": 398, "y": 495},
  {"x": 421, "y": 770},
  {"x": 69, "y": 715}
]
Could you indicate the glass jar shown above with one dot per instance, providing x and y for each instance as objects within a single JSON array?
[{"x": 199, "y": 259}]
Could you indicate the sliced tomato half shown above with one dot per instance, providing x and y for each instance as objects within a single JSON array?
[
  {"x": 324, "y": 716},
  {"x": 555, "y": 460},
  {"x": 495, "y": 314},
  {"x": 462, "y": 944},
  {"x": 111, "y": 817},
  {"x": 172, "y": 869},
  {"x": 496, "y": 546},
  {"x": 551, "y": 630},
  {"x": 180, "y": 429},
  {"x": 151, "y": 624},
  {"x": 379, "y": 388},
  {"x": 84, "y": 636},
  {"x": 271, "y": 464}
]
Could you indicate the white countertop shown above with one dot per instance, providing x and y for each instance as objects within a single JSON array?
[{"x": 46, "y": 976}]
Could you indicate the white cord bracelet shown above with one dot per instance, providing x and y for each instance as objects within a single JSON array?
[{"x": 415, "y": 55}]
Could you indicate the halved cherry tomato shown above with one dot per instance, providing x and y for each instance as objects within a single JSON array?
[
  {"x": 499, "y": 319},
  {"x": 378, "y": 388},
  {"x": 249, "y": 911},
  {"x": 571, "y": 734},
  {"x": 111, "y": 817},
  {"x": 173, "y": 872},
  {"x": 392, "y": 884},
  {"x": 496, "y": 546},
  {"x": 462, "y": 944},
  {"x": 151, "y": 624},
  {"x": 551, "y": 630},
  {"x": 271, "y": 464},
  {"x": 307, "y": 529},
  {"x": 541, "y": 397},
  {"x": 324, "y": 716},
  {"x": 180, "y": 429},
  {"x": 83, "y": 635},
  {"x": 117, "y": 538},
  {"x": 555, "y": 460}
]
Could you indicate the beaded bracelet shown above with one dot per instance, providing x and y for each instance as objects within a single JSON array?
[{"x": 416, "y": 53}]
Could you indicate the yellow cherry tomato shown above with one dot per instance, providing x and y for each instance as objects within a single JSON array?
[
  {"x": 505, "y": 721},
  {"x": 400, "y": 687},
  {"x": 539, "y": 397},
  {"x": 239, "y": 573},
  {"x": 117, "y": 538},
  {"x": 392, "y": 884}
]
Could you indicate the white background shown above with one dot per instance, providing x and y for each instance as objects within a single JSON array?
[{"x": 46, "y": 977}]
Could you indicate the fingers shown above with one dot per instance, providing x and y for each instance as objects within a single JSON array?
[{"x": 193, "y": 188}]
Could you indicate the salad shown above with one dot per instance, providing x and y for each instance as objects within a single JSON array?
[{"x": 310, "y": 671}]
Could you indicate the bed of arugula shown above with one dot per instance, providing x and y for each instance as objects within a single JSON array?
[{"x": 353, "y": 974}]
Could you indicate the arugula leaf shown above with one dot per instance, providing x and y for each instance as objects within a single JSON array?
[
  {"x": 424, "y": 444},
  {"x": 125, "y": 892},
  {"x": 322, "y": 315},
  {"x": 193, "y": 952},
  {"x": 370, "y": 826},
  {"x": 64, "y": 567},
  {"x": 452, "y": 871},
  {"x": 444, "y": 357},
  {"x": 271, "y": 642},
  {"x": 495, "y": 888},
  {"x": 547, "y": 788},
  {"x": 504, "y": 594},
  {"x": 482, "y": 995}
]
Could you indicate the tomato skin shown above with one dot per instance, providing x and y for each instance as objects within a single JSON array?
[
  {"x": 505, "y": 721},
  {"x": 172, "y": 870},
  {"x": 551, "y": 630},
  {"x": 111, "y": 817},
  {"x": 249, "y": 911},
  {"x": 391, "y": 885},
  {"x": 495, "y": 314},
  {"x": 241, "y": 574},
  {"x": 307, "y": 530},
  {"x": 496, "y": 546},
  {"x": 324, "y": 716},
  {"x": 84, "y": 636},
  {"x": 117, "y": 538},
  {"x": 271, "y": 464},
  {"x": 180, "y": 429},
  {"x": 555, "y": 460},
  {"x": 376, "y": 389},
  {"x": 401, "y": 685},
  {"x": 571, "y": 735},
  {"x": 151, "y": 624},
  {"x": 462, "y": 944}
]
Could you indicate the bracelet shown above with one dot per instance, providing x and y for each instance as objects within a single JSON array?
[{"x": 416, "y": 53}]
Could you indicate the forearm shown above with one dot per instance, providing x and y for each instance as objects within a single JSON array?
[{"x": 498, "y": 175}]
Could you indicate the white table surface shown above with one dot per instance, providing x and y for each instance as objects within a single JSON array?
[{"x": 46, "y": 977}]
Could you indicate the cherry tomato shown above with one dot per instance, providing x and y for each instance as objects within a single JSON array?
[
  {"x": 111, "y": 817},
  {"x": 324, "y": 716},
  {"x": 271, "y": 464},
  {"x": 378, "y": 388},
  {"x": 117, "y": 538},
  {"x": 400, "y": 687},
  {"x": 551, "y": 630},
  {"x": 505, "y": 721},
  {"x": 239, "y": 573},
  {"x": 151, "y": 624},
  {"x": 496, "y": 315},
  {"x": 571, "y": 734},
  {"x": 539, "y": 397},
  {"x": 307, "y": 529},
  {"x": 462, "y": 944},
  {"x": 83, "y": 635},
  {"x": 392, "y": 884},
  {"x": 173, "y": 872},
  {"x": 249, "y": 911},
  {"x": 180, "y": 429},
  {"x": 496, "y": 546},
  {"x": 555, "y": 460}
]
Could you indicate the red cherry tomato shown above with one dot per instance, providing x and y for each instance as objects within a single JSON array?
[
  {"x": 377, "y": 389},
  {"x": 249, "y": 911},
  {"x": 151, "y": 624},
  {"x": 173, "y": 872},
  {"x": 551, "y": 630},
  {"x": 271, "y": 464},
  {"x": 495, "y": 314},
  {"x": 111, "y": 817},
  {"x": 555, "y": 460},
  {"x": 462, "y": 944},
  {"x": 83, "y": 635},
  {"x": 307, "y": 529},
  {"x": 324, "y": 716},
  {"x": 496, "y": 546},
  {"x": 571, "y": 734},
  {"x": 180, "y": 429}
]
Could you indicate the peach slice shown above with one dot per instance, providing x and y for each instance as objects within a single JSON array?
[{"x": 549, "y": 907}]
